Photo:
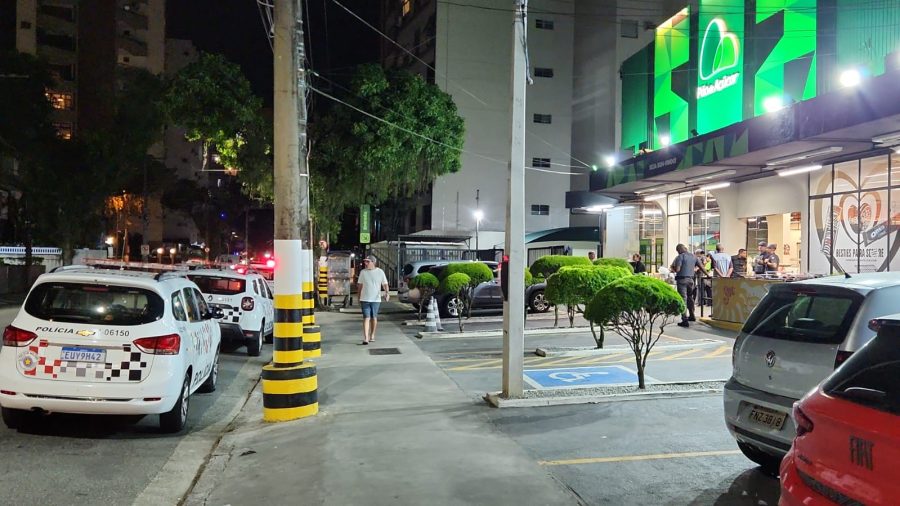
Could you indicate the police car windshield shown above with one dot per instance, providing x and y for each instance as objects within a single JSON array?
[
  {"x": 94, "y": 304},
  {"x": 219, "y": 285}
]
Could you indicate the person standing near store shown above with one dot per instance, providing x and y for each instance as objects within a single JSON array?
[
  {"x": 372, "y": 281},
  {"x": 722, "y": 265},
  {"x": 684, "y": 267},
  {"x": 739, "y": 262},
  {"x": 759, "y": 263},
  {"x": 592, "y": 256},
  {"x": 637, "y": 265},
  {"x": 772, "y": 260}
]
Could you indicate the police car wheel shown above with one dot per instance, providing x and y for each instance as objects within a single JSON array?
[
  {"x": 213, "y": 379},
  {"x": 175, "y": 420},
  {"x": 15, "y": 418},
  {"x": 255, "y": 343}
]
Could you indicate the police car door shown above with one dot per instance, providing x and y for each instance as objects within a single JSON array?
[
  {"x": 198, "y": 351},
  {"x": 209, "y": 327},
  {"x": 270, "y": 308}
]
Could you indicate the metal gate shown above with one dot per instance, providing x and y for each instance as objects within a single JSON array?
[{"x": 392, "y": 257}]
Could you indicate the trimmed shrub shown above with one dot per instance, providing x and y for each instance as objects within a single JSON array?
[
  {"x": 426, "y": 283},
  {"x": 614, "y": 262},
  {"x": 454, "y": 283},
  {"x": 638, "y": 309},
  {"x": 574, "y": 286},
  {"x": 529, "y": 279},
  {"x": 546, "y": 265},
  {"x": 476, "y": 271}
]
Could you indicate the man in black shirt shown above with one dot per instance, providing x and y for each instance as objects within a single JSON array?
[
  {"x": 740, "y": 264},
  {"x": 759, "y": 264},
  {"x": 684, "y": 267}
]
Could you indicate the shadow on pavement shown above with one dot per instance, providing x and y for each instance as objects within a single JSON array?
[{"x": 750, "y": 488}]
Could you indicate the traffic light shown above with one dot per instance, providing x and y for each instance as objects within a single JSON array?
[{"x": 504, "y": 277}]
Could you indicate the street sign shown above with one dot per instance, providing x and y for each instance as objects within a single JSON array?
[
  {"x": 365, "y": 216},
  {"x": 569, "y": 377},
  {"x": 145, "y": 250}
]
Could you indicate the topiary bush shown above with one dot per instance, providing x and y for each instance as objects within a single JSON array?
[
  {"x": 549, "y": 264},
  {"x": 478, "y": 272},
  {"x": 615, "y": 262},
  {"x": 426, "y": 283},
  {"x": 529, "y": 279},
  {"x": 458, "y": 285},
  {"x": 576, "y": 286},
  {"x": 638, "y": 308}
]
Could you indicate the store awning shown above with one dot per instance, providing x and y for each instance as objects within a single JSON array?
[{"x": 838, "y": 125}]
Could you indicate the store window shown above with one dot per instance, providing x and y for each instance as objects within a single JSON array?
[
  {"x": 651, "y": 224},
  {"x": 694, "y": 220},
  {"x": 757, "y": 231},
  {"x": 854, "y": 217}
]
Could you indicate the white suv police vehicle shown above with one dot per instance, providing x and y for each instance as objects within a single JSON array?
[
  {"x": 246, "y": 303},
  {"x": 93, "y": 341}
]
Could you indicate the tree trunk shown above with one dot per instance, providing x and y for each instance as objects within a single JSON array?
[
  {"x": 571, "y": 312},
  {"x": 640, "y": 373},
  {"x": 597, "y": 340},
  {"x": 555, "y": 316}
]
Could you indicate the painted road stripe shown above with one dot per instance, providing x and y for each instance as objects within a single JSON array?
[
  {"x": 637, "y": 458},
  {"x": 679, "y": 354},
  {"x": 718, "y": 352}
]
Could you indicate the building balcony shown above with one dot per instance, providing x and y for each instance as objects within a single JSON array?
[
  {"x": 133, "y": 19},
  {"x": 132, "y": 45}
]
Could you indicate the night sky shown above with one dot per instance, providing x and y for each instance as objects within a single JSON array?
[{"x": 234, "y": 28}]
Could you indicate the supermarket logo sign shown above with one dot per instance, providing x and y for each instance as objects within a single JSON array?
[{"x": 719, "y": 53}]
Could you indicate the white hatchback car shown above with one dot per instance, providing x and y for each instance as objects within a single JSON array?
[
  {"x": 798, "y": 334},
  {"x": 92, "y": 341},
  {"x": 246, "y": 302}
]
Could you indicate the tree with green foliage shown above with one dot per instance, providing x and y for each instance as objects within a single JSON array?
[
  {"x": 455, "y": 285},
  {"x": 477, "y": 273},
  {"x": 575, "y": 287},
  {"x": 426, "y": 283},
  {"x": 356, "y": 159},
  {"x": 615, "y": 262},
  {"x": 637, "y": 308}
]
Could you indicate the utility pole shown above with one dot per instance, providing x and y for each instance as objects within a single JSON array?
[
  {"x": 289, "y": 383},
  {"x": 514, "y": 305}
]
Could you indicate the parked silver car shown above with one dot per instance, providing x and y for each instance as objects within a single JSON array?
[
  {"x": 797, "y": 335},
  {"x": 413, "y": 269}
]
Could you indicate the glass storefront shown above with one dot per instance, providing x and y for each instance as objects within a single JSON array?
[
  {"x": 854, "y": 214},
  {"x": 694, "y": 220},
  {"x": 652, "y": 236}
]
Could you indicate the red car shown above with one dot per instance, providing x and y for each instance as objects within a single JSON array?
[{"x": 847, "y": 449}]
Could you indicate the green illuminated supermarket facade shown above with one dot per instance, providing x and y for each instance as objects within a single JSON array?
[{"x": 762, "y": 120}]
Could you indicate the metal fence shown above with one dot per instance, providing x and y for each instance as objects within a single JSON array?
[
  {"x": 392, "y": 257},
  {"x": 535, "y": 253}
]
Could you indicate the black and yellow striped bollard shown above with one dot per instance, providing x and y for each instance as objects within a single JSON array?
[
  {"x": 323, "y": 284},
  {"x": 289, "y": 385},
  {"x": 312, "y": 336}
]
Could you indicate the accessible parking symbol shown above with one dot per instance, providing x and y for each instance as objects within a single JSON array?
[{"x": 568, "y": 377}]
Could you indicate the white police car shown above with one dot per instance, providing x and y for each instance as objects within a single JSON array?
[
  {"x": 246, "y": 302},
  {"x": 109, "y": 342}
]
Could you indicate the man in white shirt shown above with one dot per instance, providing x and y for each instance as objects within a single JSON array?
[{"x": 371, "y": 282}]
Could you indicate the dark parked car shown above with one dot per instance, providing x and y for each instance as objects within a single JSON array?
[{"x": 488, "y": 295}]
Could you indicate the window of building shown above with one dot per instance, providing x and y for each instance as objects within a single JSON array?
[
  {"x": 540, "y": 162},
  {"x": 61, "y": 100},
  {"x": 757, "y": 231},
  {"x": 693, "y": 220},
  {"x": 543, "y": 24},
  {"x": 59, "y": 41},
  {"x": 63, "y": 130},
  {"x": 540, "y": 210},
  {"x": 58, "y": 11},
  {"x": 543, "y": 118},
  {"x": 63, "y": 72},
  {"x": 628, "y": 28},
  {"x": 412, "y": 220},
  {"x": 543, "y": 72},
  {"x": 405, "y": 7},
  {"x": 426, "y": 217}
]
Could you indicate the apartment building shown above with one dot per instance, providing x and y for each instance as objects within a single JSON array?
[{"x": 574, "y": 51}]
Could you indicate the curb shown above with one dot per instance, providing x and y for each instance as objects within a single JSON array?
[
  {"x": 585, "y": 352},
  {"x": 485, "y": 319},
  {"x": 499, "y": 333},
  {"x": 721, "y": 324},
  {"x": 495, "y": 400}
]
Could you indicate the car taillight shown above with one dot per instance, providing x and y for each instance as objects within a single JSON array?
[
  {"x": 160, "y": 345},
  {"x": 841, "y": 357},
  {"x": 247, "y": 303},
  {"x": 803, "y": 423},
  {"x": 14, "y": 336}
]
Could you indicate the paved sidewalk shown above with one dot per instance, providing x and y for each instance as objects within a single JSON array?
[{"x": 393, "y": 429}]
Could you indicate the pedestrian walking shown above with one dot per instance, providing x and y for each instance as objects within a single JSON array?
[
  {"x": 371, "y": 282},
  {"x": 684, "y": 267}
]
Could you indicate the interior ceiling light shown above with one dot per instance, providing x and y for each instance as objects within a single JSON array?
[
  {"x": 887, "y": 138},
  {"x": 656, "y": 189},
  {"x": 799, "y": 157},
  {"x": 707, "y": 177},
  {"x": 714, "y": 186},
  {"x": 597, "y": 209},
  {"x": 799, "y": 170}
]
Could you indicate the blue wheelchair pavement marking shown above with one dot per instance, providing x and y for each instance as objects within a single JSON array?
[{"x": 567, "y": 377}]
